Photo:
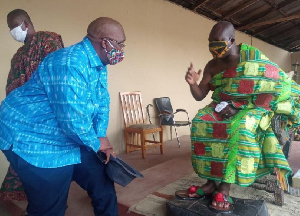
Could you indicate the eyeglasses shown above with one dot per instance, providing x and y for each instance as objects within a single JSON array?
[{"x": 120, "y": 44}]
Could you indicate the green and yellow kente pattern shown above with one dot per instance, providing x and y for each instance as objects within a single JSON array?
[{"x": 244, "y": 147}]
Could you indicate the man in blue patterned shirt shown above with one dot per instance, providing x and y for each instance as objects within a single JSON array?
[{"x": 52, "y": 126}]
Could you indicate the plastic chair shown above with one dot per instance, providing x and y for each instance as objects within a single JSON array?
[
  {"x": 167, "y": 115},
  {"x": 136, "y": 130}
]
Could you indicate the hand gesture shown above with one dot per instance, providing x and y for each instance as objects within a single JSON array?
[
  {"x": 107, "y": 148},
  {"x": 191, "y": 77}
]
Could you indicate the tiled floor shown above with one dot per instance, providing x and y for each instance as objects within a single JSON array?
[{"x": 158, "y": 170}]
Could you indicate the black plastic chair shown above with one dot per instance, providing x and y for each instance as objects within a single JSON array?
[{"x": 166, "y": 115}]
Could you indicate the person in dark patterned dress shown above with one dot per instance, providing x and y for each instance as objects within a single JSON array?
[{"x": 37, "y": 45}]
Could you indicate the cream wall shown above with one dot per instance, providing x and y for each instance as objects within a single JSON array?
[{"x": 162, "y": 40}]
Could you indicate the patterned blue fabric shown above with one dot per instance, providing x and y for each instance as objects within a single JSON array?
[{"x": 65, "y": 104}]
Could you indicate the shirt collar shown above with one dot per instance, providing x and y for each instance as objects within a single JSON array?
[{"x": 91, "y": 53}]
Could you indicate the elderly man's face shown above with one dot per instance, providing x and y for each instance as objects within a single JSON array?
[
  {"x": 219, "y": 43},
  {"x": 107, "y": 37},
  {"x": 116, "y": 38},
  {"x": 114, "y": 43}
]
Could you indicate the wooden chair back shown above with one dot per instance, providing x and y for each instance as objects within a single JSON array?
[
  {"x": 136, "y": 130},
  {"x": 132, "y": 108}
]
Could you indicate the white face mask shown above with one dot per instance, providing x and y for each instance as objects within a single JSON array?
[{"x": 18, "y": 34}]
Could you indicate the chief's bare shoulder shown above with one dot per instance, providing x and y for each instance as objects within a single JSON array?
[{"x": 211, "y": 66}]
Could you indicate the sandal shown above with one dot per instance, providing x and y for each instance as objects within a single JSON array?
[
  {"x": 220, "y": 197},
  {"x": 198, "y": 193}
]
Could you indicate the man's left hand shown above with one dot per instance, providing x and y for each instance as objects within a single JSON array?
[
  {"x": 228, "y": 111},
  {"x": 107, "y": 148}
]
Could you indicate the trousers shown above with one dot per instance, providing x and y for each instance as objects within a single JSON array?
[{"x": 47, "y": 188}]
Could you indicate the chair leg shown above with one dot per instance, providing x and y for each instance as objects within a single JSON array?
[
  {"x": 161, "y": 134},
  {"x": 177, "y": 136},
  {"x": 153, "y": 137},
  {"x": 143, "y": 145},
  {"x": 126, "y": 142},
  {"x": 171, "y": 132}
]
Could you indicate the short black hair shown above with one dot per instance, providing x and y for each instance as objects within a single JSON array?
[{"x": 19, "y": 13}]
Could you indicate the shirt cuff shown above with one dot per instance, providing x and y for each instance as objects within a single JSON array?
[{"x": 95, "y": 145}]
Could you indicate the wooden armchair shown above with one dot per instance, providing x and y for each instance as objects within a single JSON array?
[{"x": 136, "y": 129}]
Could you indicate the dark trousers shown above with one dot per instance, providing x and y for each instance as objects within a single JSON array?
[{"x": 47, "y": 188}]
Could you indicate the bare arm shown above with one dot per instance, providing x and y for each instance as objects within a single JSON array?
[{"x": 200, "y": 91}]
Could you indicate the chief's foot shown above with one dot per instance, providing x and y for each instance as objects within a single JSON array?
[
  {"x": 221, "y": 201},
  {"x": 197, "y": 192}
]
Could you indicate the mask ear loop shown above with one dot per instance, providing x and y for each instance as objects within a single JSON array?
[
  {"x": 26, "y": 28},
  {"x": 21, "y": 24},
  {"x": 231, "y": 42},
  {"x": 110, "y": 44}
]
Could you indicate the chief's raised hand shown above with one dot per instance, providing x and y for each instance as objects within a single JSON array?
[{"x": 191, "y": 77}]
